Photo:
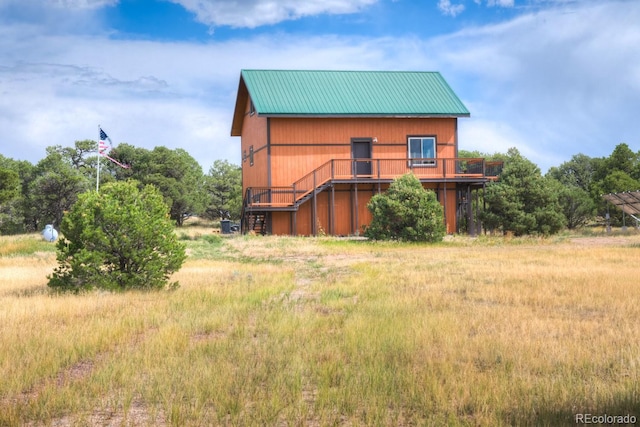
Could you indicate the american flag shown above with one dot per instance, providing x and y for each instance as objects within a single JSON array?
[
  {"x": 103, "y": 136},
  {"x": 102, "y": 146}
]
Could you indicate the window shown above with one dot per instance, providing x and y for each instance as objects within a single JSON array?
[{"x": 422, "y": 150}]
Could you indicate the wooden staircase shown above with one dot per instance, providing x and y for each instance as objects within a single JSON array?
[{"x": 255, "y": 222}]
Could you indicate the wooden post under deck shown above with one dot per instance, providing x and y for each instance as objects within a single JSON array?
[
  {"x": 470, "y": 221},
  {"x": 294, "y": 223},
  {"x": 314, "y": 209},
  {"x": 332, "y": 210},
  {"x": 357, "y": 225}
]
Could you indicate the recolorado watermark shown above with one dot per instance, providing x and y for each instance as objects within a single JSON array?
[{"x": 605, "y": 419}]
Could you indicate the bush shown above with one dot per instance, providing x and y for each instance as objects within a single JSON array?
[
  {"x": 118, "y": 239},
  {"x": 406, "y": 212},
  {"x": 523, "y": 201}
]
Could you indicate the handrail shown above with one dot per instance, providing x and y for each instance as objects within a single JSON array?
[
  {"x": 349, "y": 169},
  {"x": 314, "y": 179}
]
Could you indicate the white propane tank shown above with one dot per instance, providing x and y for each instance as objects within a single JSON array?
[{"x": 49, "y": 233}]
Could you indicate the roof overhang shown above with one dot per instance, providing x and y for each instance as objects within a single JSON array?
[
  {"x": 241, "y": 102},
  {"x": 365, "y": 116}
]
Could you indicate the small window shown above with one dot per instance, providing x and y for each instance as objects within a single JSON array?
[{"x": 422, "y": 150}]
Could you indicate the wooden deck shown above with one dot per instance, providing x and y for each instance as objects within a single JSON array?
[{"x": 350, "y": 171}]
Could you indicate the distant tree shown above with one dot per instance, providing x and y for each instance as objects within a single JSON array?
[
  {"x": 81, "y": 157},
  {"x": 617, "y": 182},
  {"x": 577, "y": 172},
  {"x": 9, "y": 191},
  {"x": 16, "y": 215},
  {"x": 136, "y": 158},
  {"x": 522, "y": 201},
  {"x": 120, "y": 238},
  {"x": 223, "y": 185},
  {"x": 54, "y": 189},
  {"x": 175, "y": 173},
  {"x": 406, "y": 212},
  {"x": 179, "y": 178},
  {"x": 9, "y": 185},
  {"x": 614, "y": 174},
  {"x": 575, "y": 180},
  {"x": 577, "y": 205},
  {"x": 475, "y": 154},
  {"x": 623, "y": 159}
]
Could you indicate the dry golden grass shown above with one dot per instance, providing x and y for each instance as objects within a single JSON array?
[{"x": 301, "y": 331}]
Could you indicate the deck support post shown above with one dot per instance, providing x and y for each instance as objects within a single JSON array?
[
  {"x": 446, "y": 222},
  {"x": 484, "y": 201},
  {"x": 332, "y": 211},
  {"x": 357, "y": 225},
  {"x": 470, "y": 221},
  {"x": 294, "y": 223},
  {"x": 478, "y": 222},
  {"x": 314, "y": 209}
]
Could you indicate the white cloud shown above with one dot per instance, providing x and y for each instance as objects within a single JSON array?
[
  {"x": 500, "y": 3},
  {"x": 58, "y": 89},
  {"x": 546, "y": 83},
  {"x": 447, "y": 8},
  {"x": 255, "y": 13},
  {"x": 65, "y": 4},
  {"x": 565, "y": 87},
  {"x": 84, "y": 4},
  {"x": 52, "y": 16}
]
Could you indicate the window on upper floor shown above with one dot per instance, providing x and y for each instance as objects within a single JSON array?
[{"x": 422, "y": 150}]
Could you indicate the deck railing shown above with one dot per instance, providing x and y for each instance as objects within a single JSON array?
[{"x": 353, "y": 170}]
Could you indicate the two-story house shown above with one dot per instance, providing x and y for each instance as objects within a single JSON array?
[{"x": 317, "y": 145}]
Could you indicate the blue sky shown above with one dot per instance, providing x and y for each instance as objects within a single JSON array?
[{"x": 552, "y": 78}]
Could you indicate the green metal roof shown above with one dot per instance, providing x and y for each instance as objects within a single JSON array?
[{"x": 346, "y": 93}]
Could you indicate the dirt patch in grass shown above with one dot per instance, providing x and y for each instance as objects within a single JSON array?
[
  {"x": 629, "y": 240},
  {"x": 138, "y": 414}
]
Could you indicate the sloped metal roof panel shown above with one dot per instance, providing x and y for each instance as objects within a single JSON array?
[
  {"x": 628, "y": 202},
  {"x": 351, "y": 93}
]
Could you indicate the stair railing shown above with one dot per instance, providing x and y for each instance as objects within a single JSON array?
[{"x": 311, "y": 181}]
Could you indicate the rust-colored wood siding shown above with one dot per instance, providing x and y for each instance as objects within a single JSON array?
[
  {"x": 280, "y": 223},
  {"x": 254, "y": 134},
  {"x": 449, "y": 202},
  {"x": 299, "y": 145}
]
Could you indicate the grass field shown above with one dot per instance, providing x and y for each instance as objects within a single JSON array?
[{"x": 305, "y": 331}]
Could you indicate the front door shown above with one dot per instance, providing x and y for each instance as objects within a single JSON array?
[{"x": 361, "y": 149}]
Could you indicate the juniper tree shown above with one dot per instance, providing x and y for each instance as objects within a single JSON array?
[
  {"x": 406, "y": 212},
  {"x": 120, "y": 238}
]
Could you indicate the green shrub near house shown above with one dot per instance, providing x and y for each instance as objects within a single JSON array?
[{"x": 406, "y": 212}]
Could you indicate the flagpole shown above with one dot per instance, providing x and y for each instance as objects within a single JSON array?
[{"x": 98, "y": 173}]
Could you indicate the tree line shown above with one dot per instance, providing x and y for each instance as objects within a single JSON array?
[
  {"x": 32, "y": 196},
  {"x": 522, "y": 201}
]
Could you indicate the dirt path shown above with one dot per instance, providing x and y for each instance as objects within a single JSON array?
[{"x": 628, "y": 240}]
